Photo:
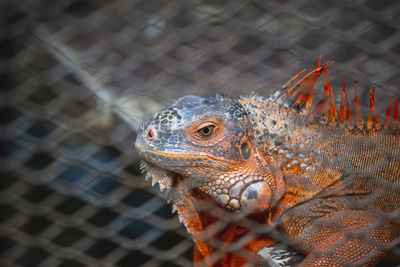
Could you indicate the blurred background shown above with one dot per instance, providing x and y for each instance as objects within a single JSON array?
[{"x": 78, "y": 77}]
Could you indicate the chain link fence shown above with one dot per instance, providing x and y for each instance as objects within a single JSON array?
[{"x": 78, "y": 78}]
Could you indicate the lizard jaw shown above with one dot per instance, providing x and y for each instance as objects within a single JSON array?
[
  {"x": 164, "y": 178},
  {"x": 182, "y": 199}
]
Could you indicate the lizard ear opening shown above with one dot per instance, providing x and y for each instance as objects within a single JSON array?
[{"x": 245, "y": 150}]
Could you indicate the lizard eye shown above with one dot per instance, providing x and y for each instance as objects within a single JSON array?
[
  {"x": 211, "y": 129},
  {"x": 206, "y": 131}
]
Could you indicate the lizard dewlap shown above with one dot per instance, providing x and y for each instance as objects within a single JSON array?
[{"x": 323, "y": 177}]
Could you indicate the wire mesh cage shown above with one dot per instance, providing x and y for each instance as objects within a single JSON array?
[{"x": 79, "y": 77}]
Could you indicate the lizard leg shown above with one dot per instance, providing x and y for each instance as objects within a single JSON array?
[{"x": 346, "y": 237}]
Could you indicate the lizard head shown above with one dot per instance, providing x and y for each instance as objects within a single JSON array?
[{"x": 209, "y": 142}]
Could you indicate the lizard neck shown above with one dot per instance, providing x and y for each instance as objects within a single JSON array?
[
  {"x": 253, "y": 185},
  {"x": 296, "y": 148}
]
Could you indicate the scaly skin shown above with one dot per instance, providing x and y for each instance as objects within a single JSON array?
[{"x": 333, "y": 190}]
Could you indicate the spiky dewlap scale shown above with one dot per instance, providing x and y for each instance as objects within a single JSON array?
[{"x": 163, "y": 178}]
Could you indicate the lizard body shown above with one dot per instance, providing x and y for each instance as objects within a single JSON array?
[{"x": 323, "y": 177}]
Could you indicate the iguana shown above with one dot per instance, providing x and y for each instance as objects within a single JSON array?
[{"x": 323, "y": 177}]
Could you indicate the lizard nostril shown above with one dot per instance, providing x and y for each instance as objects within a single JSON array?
[{"x": 150, "y": 133}]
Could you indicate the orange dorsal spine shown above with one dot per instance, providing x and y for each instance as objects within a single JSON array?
[
  {"x": 373, "y": 118},
  {"x": 308, "y": 87},
  {"x": 395, "y": 122},
  {"x": 342, "y": 108},
  {"x": 388, "y": 115},
  {"x": 300, "y": 98},
  {"x": 357, "y": 107},
  {"x": 333, "y": 113},
  {"x": 326, "y": 110},
  {"x": 286, "y": 85}
]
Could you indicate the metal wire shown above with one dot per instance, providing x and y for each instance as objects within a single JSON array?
[{"x": 78, "y": 77}]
